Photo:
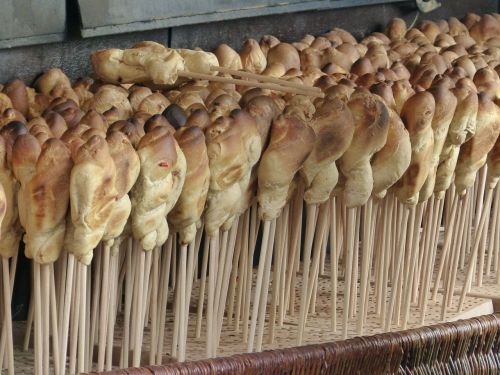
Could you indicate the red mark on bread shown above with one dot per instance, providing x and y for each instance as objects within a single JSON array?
[{"x": 163, "y": 164}]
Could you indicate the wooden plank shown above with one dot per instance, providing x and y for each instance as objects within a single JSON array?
[
  {"x": 31, "y": 21},
  {"x": 118, "y": 16}
]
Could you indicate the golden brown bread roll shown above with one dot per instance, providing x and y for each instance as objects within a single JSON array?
[
  {"x": 278, "y": 166},
  {"x": 284, "y": 54},
  {"x": 263, "y": 109},
  {"x": 199, "y": 118},
  {"x": 390, "y": 163},
  {"x": 371, "y": 120},
  {"x": 474, "y": 152},
  {"x": 417, "y": 115},
  {"x": 188, "y": 209},
  {"x": 144, "y": 62},
  {"x": 396, "y": 29},
  {"x": 50, "y": 79},
  {"x": 158, "y": 153},
  {"x": 494, "y": 165},
  {"x": 68, "y": 109},
  {"x": 267, "y": 42},
  {"x": 234, "y": 147},
  {"x": 485, "y": 28},
  {"x": 154, "y": 104},
  {"x": 137, "y": 95},
  {"x": 95, "y": 120},
  {"x": 25, "y": 152},
  {"x": 17, "y": 92},
  {"x": 92, "y": 195},
  {"x": 252, "y": 57},
  {"x": 228, "y": 57},
  {"x": 402, "y": 91},
  {"x": 109, "y": 96},
  {"x": 11, "y": 230},
  {"x": 127, "y": 165},
  {"x": 56, "y": 123},
  {"x": 5, "y": 102},
  {"x": 446, "y": 103},
  {"x": 47, "y": 195},
  {"x": 333, "y": 125}
]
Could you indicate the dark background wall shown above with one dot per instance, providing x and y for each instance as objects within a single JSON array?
[{"x": 72, "y": 54}]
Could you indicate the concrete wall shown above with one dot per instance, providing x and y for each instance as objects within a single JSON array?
[{"x": 72, "y": 55}]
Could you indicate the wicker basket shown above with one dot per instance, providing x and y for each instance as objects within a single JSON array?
[{"x": 465, "y": 347}]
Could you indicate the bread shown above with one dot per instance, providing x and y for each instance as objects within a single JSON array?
[
  {"x": 417, "y": 115},
  {"x": 233, "y": 146},
  {"x": 390, "y": 163},
  {"x": 5, "y": 102},
  {"x": 402, "y": 91},
  {"x": 158, "y": 156},
  {"x": 92, "y": 196},
  {"x": 145, "y": 62},
  {"x": 462, "y": 127},
  {"x": 17, "y": 93},
  {"x": 474, "y": 152},
  {"x": 284, "y": 54},
  {"x": 263, "y": 109},
  {"x": 138, "y": 95},
  {"x": 278, "y": 166},
  {"x": 154, "y": 104},
  {"x": 189, "y": 207},
  {"x": 333, "y": 125},
  {"x": 446, "y": 103},
  {"x": 228, "y": 57},
  {"x": 371, "y": 122},
  {"x": 494, "y": 165},
  {"x": 25, "y": 151},
  {"x": 56, "y": 123},
  {"x": 267, "y": 42},
  {"x": 252, "y": 57},
  {"x": 11, "y": 230},
  {"x": 396, "y": 29},
  {"x": 47, "y": 197},
  {"x": 127, "y": 165}
]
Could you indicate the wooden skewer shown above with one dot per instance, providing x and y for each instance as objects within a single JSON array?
[
  {"x": 242, "y": 82},
  {"x": 104, "y": 309},
  {"x": 263, "y": 78},
  {"x": 258, "y": 287},
  {"x": 348, "y": 265},
  {"x": 243, "y": 268},
  {"x": 138, "y": 323},
  {"x": 254, "y": 224},
  {"x": 413, "y": 259},
  {"x": 95, "y": 300},
  {"x": 165, "y": 280},
  {"x": 308, "y": 243},
  {"x": 66, "y": 312},
  {"x": 7, "y": 315},
  {"x": 154, "y": 308},
  {"x": 214, "y": 257},
  {"x": 82, "y": 321},
  {"x": 112, "y": 310},
  {"x": 446, "y": 246},
  {"x": 400, "y": 252},
  {"x": 124, "y": 357},
  {"x": 53, "y": 322},
  {"x": 470, "y": 271},
  {"x": 365, "y": 266},
  {"x": 201, "y": 296},
  {"x": 334, "y": 253}
]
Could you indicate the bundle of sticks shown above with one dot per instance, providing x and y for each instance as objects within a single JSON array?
[{"x": 164, "y": 171}]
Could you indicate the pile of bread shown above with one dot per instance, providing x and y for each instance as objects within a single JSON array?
[{"x": 410, "y": 111}]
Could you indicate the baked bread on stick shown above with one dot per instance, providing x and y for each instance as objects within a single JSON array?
[{"x": 92, "y": 196}]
